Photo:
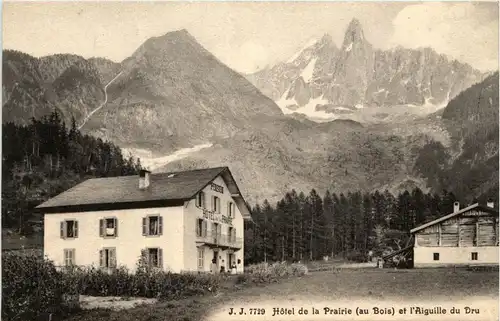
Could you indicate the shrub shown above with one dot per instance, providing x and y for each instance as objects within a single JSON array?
[
  {"x": 30, "y": 286},
  {"x": 299, "y": 269},
  {"x": 270, "y": 273},
  {"x": 143, "y": 283}
]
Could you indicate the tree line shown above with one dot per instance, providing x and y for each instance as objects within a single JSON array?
[
  {"x": 309, "y": 227},
  {"x": 45, "y": 158}
]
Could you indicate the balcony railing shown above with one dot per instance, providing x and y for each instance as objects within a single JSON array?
[{"x": 221, "y": 240}]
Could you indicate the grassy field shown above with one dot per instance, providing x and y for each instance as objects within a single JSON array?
[{"x": 443, "y": 286}]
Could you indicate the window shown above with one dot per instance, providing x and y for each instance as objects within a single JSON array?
[
  {"x": 69, "y": 229},
  {"x": 230, "y": 209},
  {"x": 152, "y": 225},
  {"x": 200, "y": 200},
  {"x": 201, "y": 258},
  {"x": 216, "y": 231},
  {"x": 153, "y": 257},
  {"x": 474, "y": 256},
  {"x": 108, "y": 227},
  {"x": 201, "y": 227},
  {"x": 436, "y": 256},
  {"x": 69, "y": 257},
  {"x": 215, "y": 204},
  {"x": 107, "y": 258},
  {"x": 232, "y": 234}
]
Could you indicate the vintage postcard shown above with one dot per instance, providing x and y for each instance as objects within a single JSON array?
[{"x": 245, "y": 160}]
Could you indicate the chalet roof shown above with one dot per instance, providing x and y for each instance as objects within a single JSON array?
[
  {"x": 165, "y": 189},
  {"x": 449, "y": 216}
]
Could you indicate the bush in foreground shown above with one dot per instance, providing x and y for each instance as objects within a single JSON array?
[
  {"x": 149, "y": 284},
  {"x": 30, "y": 286}
]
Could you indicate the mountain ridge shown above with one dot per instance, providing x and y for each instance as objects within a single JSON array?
[
  {"x": 359, "y": 75},
  {"x": 171, "y": 85}
]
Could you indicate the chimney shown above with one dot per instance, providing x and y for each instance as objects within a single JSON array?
[
  {"x": 456, "y": 207},
  {"x": 490, "y": 204},
  {"x": 144, "y": 179}
]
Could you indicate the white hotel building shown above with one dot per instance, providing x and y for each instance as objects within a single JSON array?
[{"x": 178, "y": 221}]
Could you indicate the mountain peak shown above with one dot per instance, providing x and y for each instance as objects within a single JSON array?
[
  {"x": 354, "y": 24},
  {"x": 173, "y": 41},
  {"x": 181, "y": 34},
  {"x": 354, "y": 33}
]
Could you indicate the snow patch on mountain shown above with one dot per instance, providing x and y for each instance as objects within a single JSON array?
[
  {"x": 309, "y": 110},
  {"x": 349, "y": 48},
  {"x": 151, "y": 163},
  {"x": 308, "y": 71}
]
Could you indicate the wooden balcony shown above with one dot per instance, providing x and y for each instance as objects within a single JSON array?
[{"x": 221, "y": 241}]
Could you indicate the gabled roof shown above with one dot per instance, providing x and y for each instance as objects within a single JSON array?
[
  {"x": 447, "y": 217},
  {"x": 165, "y": 189}
]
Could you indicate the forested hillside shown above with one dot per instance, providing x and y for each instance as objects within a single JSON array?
[
  {"x": 308, "y": 227},
  {"x": 472, "y": 120},
  {"x": 44, "y": 158}
]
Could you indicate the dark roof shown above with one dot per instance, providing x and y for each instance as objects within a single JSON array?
[
  {"x": 449, "y": 216},
  {"x": 165, "y": 189}
]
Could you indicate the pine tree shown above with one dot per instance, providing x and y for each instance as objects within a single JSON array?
[{"x": 329, "y": 213}]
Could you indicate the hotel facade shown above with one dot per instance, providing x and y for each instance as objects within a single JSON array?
[{"x": 180, "y": 221}]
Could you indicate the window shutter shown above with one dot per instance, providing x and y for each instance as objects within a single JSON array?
[
  {"x": 144, "y": 226},
  {"x": 63, "y": 235},
  {"x": 160, "y": 258},
  {"x": 101, "y": 258},
  {"x": 75, "y": 229},
  {"x": 73, "y": 259},
  {"x": 202, "y": 199},
  {"x": 160, "y": 225},
  {"x": 197, "y": 222},
  {"x": 234, "y": 235},
  {"x": 200, "y": 257},
  {"x": 112, "y": 258},
  {"x": 101, "y": 228},
  {"x": 204, "y": 225},
  {"x": 116, "y": 227},
  {"x": 218, "y": 205}
]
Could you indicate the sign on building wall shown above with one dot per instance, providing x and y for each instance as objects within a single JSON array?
[
  {"x": 217, "y": 188},
  {"x": 217, "y": 217}
]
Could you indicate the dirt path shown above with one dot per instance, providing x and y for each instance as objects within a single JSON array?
[{"x": 103, "y": 103}]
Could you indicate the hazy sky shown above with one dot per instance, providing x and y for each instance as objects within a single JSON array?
[{"x": 248, "y": 36}]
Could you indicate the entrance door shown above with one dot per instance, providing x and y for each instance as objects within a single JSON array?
[
  {"x": 216, "y": 261},
  {"x": 230, "y": 261}
]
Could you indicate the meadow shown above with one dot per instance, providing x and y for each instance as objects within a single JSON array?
[{"x": 366, "y": 285}]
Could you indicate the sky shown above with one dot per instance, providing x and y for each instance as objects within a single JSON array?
[{"x": 248, "y": 36}]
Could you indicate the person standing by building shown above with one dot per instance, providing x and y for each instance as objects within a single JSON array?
[{"x": 213, "y": 267}]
